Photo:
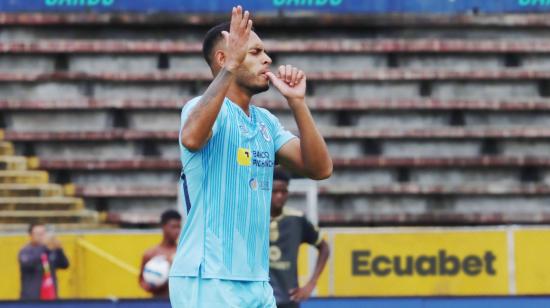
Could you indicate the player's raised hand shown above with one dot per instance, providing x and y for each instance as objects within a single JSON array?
[
  {"x": 237, "y": 38},
  {"x": 290, "y": 81}
]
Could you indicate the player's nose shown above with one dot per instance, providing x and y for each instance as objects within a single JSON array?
[{"x": 267, "y": 60}]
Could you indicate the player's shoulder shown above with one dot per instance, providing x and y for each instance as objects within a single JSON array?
[
  {"x": 192, "y": 101},
  {"x": 27, "y": 248},
  {"x": 289, "y": 212},
  {"x": 265, "y": 114},
  {"x": 188, "y": 105},
  {"x": 151, "y": 252}
]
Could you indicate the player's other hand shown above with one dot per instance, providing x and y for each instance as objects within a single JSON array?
[
  {"x": 290, "y": 81},
  {"x": 52, "y": 242},
  {"x": 301, "y": 294},
  {"x": 236, "y": 39}
]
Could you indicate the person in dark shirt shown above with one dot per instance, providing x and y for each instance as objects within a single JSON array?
[
  {"x": 290, "y": 228},
  {"x": 170, "y": 222},
  {"x": 30, "y": 262}
]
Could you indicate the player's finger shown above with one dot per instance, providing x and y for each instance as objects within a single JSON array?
[
  {"x": 288, "y": 71},
  {"x": 248, "y": 27},
  {"x": 299, "y": 76},
  {"x": 233, "y": 18},
  {"x": 244, "y": 21},
  {"x": 275, "y": 80},
  {"x": 293, "y": 75},
  {"x": 281, "y": 72},
  {"x": 225, "y": 35},
  {"x": 238, "y": 17}
]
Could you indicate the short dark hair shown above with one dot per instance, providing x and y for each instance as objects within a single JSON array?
[
  {"x": 34, "y": 224},
  {"x": 169, "y": 215},
  {"x": 212, "y": 37},
  {"x": 281, "y": 175}
]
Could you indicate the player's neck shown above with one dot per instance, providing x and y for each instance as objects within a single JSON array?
[
  {"x": 276, "y": 212},
  {"x": 167, "y": 243},
  {"x": 240, "y": 97}
]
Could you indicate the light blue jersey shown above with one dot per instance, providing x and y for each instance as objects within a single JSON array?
[{"x": 226, "y": 190}]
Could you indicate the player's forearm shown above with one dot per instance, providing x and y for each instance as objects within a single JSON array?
[
  {"x": 315, "y": 155},
  {"x": 198, "y": 127},
  {"x": 322, "y": 259}
]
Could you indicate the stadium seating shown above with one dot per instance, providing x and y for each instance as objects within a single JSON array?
[
  {"x": 26, "y": 196},
  {"x": 431, "y": 121}
]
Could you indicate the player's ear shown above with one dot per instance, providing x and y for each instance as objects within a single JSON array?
[{"x": 219, "y": 58}]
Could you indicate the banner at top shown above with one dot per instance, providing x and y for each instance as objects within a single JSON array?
[{"x": 274, "y": 6}]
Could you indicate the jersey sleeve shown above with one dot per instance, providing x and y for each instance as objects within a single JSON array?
[
  {"x": 310, "y": 233},
  {"x": 188, "y": 108},
  {"x": 281, "y": 134}
]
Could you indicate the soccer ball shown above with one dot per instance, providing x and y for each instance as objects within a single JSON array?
[{"x": 155, "y": 271}]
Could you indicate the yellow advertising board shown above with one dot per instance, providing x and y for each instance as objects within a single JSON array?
[
  {"x": 100, "y": 265},
  {"x": 420, "y": 263},
  {"x": 363, "y": 262},
  {"x": 532, "y": 266}
]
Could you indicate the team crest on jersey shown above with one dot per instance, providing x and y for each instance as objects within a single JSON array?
[{"x": 265, "y": 132}]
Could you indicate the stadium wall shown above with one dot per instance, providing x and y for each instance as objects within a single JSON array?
[{"x": 365, "y": 262}]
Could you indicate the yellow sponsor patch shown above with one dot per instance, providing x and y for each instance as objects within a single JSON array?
[{"x": 244, "y": 157}]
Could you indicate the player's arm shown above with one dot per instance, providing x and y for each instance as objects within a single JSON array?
[
  {"x": 57, "y": 256},
  {"x": 144, "y": 285},
  {"x": 303, "y": 293},
  {"x": 307, "y": 155},
  {"x": 310, "y": 235},
  {"x": 197, "y": 129},
  {"x": 322, "y": 257}
]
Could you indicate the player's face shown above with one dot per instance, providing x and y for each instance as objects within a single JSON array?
[
  {"x": 279, "y": 194},
  {"x": 172, "y": 229},
  {"x": 38, "y": 235},
  {"x": 251, "y": 74}
]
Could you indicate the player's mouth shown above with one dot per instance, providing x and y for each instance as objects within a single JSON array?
[{"x": 263, "y": 73}]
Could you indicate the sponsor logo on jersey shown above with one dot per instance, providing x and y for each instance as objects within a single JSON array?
[
  {"x": 253, "y": 184},
  {"x": 247, "y": 157},
  {"x": 244, "y": 157}
]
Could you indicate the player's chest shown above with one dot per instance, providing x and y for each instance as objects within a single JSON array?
[
  {"x": 252, "y": 143},
  {"x": 285, "y": 233}
]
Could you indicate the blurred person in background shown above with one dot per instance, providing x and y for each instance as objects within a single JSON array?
[
  {"x": 38, "y": 262},
  {"x": 288, "y": 230},
  {"x": 170, "y": 222}
]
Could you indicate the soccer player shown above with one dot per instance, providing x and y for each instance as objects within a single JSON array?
[
  {"x": 170, "y": 221},
  {"x": 289, "y": 229},
  {"x": 228, "y": 150}
]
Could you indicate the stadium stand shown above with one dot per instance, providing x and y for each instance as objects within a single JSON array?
[
  {"x": 439, "y": 120},
  {"x": 26, "y": 196}
]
